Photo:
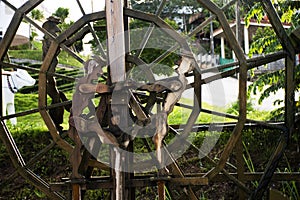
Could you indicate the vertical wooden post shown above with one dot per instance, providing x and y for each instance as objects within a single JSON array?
[
  {"x": 239, "y": 144},
  {"x": 240, "y": 166},
  {"x": 238, "y": 23},
  {"x": 76, "y": 192},
  {"x": 161, "y": 190},
  {"x": 130, "y": 191},
  {"x": 117, "y": 69},
  {"x": 115, "y": 40},
  {"x": 246, "y": 40},
  {"x": 223, "y": 48}
]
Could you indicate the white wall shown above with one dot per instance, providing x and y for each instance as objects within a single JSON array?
[{"x": 6, "y": 15}]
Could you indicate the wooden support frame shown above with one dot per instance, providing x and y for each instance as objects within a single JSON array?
[
  {"x": 218, "y": 172},
  {"x": 242, "y": 85},
  {"x": 117, "y": 71}
]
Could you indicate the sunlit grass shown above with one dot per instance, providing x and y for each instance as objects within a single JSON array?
[
  {"x": 27, "y": 102},
  {"x": 36, "y": 54},
  {"x": 180, "y": 115}
]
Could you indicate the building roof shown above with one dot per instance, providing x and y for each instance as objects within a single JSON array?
[
  {"x": 253, "y": 23},
  {"x": 19, "y": 40}
]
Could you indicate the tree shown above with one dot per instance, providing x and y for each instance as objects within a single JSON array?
[
  {"x": 175, "y": 10},
  {"x": 62, "y": 13},
  {"x": 266, "y": 41},
  {"x": 157, "y": 44},
  {"x": 38, "y": 15}
]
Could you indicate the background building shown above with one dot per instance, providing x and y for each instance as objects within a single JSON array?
[{"x": 6, "y": 14}]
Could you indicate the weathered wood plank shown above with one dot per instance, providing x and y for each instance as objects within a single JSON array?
[
  {"x": 74, "y": 28},
  {"x": 191, "y": 179},
  {"x": 43, "y": 99},
  {"x": 117, "y": 67},
  {"x": 115, "y": 40},
  {"x": 242, "y": 85}
]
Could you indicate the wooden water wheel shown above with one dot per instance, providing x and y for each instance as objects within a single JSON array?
[{"x": 134, "y": 104}]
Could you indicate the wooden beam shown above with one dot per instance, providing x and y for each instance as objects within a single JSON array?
[
  {"x": 149, "y": 180},
  {"x": 117, "y": 69},
  {"x": 115, "y": 40},
  {"x": 242, "y": 85}
]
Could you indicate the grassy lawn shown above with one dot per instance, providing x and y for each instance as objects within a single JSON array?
[
  {"x": 36, "y": 54},
  {"x": 25, "y": 102},
  {"x": 31, "y": 136}
]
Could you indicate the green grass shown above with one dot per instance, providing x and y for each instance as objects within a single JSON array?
[
  {"x": 26, "y": 102},
  {"x": 32, "y": 127},
  {"x": 36, "y": 54},
  {"x": 26, "y": 54},
  {"x": 180, "y": 115}
]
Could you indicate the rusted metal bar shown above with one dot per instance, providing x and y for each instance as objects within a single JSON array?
[
  {"x": 28, "y": 112},
  {"x": 274, "y": 125},
  {"x": 11, "y": 65},
  {"x": 258, "y": 62},
  {"x": 261, "y": 123},
  {"x": 20, "y": 114},
  {"x": 161, "y": 190},
  {"x": 254, "y": 176},
  {"x": 230, "y": 126}
]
